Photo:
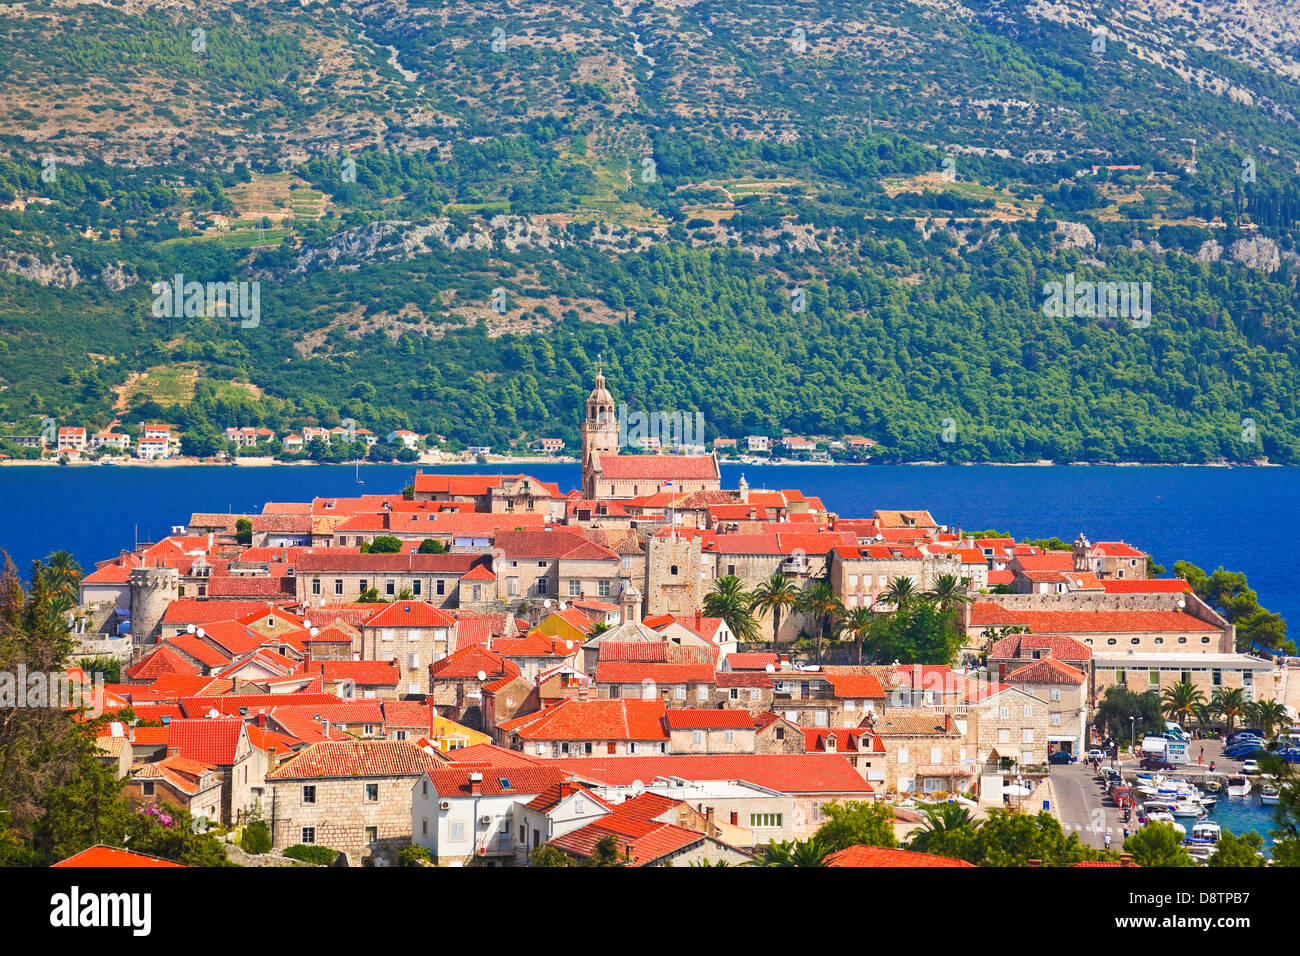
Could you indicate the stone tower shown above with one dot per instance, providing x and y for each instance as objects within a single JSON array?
[
  {"x": 599, "y": 433},
  {"x": 630, "y": 605},
  {"x": 1082, "y": 561},
  {"x": 152, "y": 590},
  {"x": 673, "y": 583}
]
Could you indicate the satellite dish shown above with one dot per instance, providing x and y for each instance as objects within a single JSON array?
[
  {"x": 189, "y": 628},
  {"x": 546, "y": 603},
  {"x": 637, "y": 788},
  {"x": 213, "y": 713},
  {"x": 563, "y": 606},
  {"x": 770, "y": 668},
  {"x": 306, "y": 623},
  {"x": 482, "y": 675},
  {"x": 201, "y": 633},
  {"x": 569, "y": 644},
  {"x": 314, "y": 631},
  {"x": 880, "y": 537}
]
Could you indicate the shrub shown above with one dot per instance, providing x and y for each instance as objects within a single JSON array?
[
  {"x": 312, "y": 853},
  {"x": 414, "y": 855},
  {"x": 256, "y": 838}
]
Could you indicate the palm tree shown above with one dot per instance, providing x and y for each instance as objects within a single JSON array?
[
  {"x": 729, "y": 600},
  {"x": 948, "y": 592},
  {"x": 1204, "y": 714},
  {"x": 940, "y": 824},
  {"x": 1272, "y": 717},
  {"x": 818, "y": 601},
  {"x": 901, "y": 592},
  {"x": 792, "y": 853},
  {"x": 855, "y": 625},
  {"x": 1230, "y": 702},
  {"x": 777, "y": 594},
  {"x": 1178, "y": 701}
]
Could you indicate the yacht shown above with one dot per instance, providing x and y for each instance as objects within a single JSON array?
[
  {"x": 1238, "y": 785},
  {"x": 1205, "y": 836},
  {"x": 1270, "y": 794}
]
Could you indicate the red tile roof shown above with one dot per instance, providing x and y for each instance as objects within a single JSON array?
[
  {"x": 592, "y": 720},
  {"x": 163, "y": 660},
  {"x": 213, "y": 740},
  {"x": 699, "y": 718},
  {"x": 786, "y": 773},
  {"x": 1048, "y": 670},
  {"x": 658, "y": 467},
  {"x": 107, "y": 856},
  {"x": 1147, "y": 586},
  {"x": 469, "y": 662},
  {"x": 552, "y": 796},
  {"x": 366, "y": 673},
  {"x": 1085, "y": 622},
  {"x": 750, "y": 661},
  {"x": 855, "y": 685},
  {"x": 452, "y": 780},
  {"x": 410, "y": 614},
  {"x": 880, "y": 856},
  {"x": 357, "y": 758},
  {"x": 667, "y": 672}
]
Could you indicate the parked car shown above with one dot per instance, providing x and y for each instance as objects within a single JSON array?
[
  {"x": 1155, "y": 763},
  {"x": 1095, "y": 754},
  {"x": 1243, "y": 734},
  {"x": 1250, "y": 766},
  {"x": 1060, "y": 756},
  {"x": 1243, "y": 753}
]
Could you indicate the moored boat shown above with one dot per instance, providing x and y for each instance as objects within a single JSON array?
[
  {"x": 1269, "y": 795},
  {"x": 1238, "y": 785}
]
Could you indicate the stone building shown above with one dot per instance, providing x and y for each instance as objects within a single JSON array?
[
  {"x": 1065, "y": 691},
  {"x": 412, "y": 634},
  {"x": 354, "y": 796}
]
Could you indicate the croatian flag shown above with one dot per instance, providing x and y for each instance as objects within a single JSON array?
[{"x": 667, "y": 484}]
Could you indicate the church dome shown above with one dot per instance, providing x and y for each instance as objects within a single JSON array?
[{"x": 600, "y": 394}]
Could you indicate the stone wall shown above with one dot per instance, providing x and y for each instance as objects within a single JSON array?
[{"x": 341, "y": 813}]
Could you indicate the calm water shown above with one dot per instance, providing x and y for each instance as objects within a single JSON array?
[
  {"x": 1244, "y": 814},
  {"x": 1246, "y": 519}
]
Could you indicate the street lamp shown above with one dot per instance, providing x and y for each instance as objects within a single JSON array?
[{"x": 1133, "y": 740}]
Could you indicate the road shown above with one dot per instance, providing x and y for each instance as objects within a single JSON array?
[{"x": 1080, "y": 796}]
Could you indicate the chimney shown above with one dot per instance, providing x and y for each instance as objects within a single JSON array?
[
  {"x": 1035, "y": 862},
  {"x": 173, "y": 751},
  {"x": 710, "y": 826},
  {"x": 735, "y": 818},
  {"x": 784, "y": 660},
  {"x": 261, "y": 719},
  {"x": 1126, "y": 859},
  {"x": 272, "y": 761},
  {"x": 697, "y": 620},
  {"x": 475, "y": 782}
]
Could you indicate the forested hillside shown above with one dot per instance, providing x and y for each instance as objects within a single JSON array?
[{"x": 826, "y": 217}]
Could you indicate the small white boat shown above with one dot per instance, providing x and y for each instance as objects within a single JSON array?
[
  {"x": 1238, "y": 785},
  {"x": 1203, "y": 840},
  {"x": 1269, "y": 795},
  {"x": 1187, "y": 808}
]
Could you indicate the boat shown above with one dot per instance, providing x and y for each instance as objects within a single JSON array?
[
  {"x": 1238, "y": 785},
  {"x": 1187, "y": 808},
  {"x": 1158, "y": 814},
  {"x": 1270, "y": 794},
  {"x": 1212, "y": 783},
  {"x": 1204, "y": 838}
]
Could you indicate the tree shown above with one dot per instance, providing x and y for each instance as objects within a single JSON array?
[
  {"x": 1009, "y": 838},
  {"x": 900, "y": 593},
  {"x": 547, "y": 855},
  {"x": 728, "y": 600},
  {"x": 433, "y": 546},
  {"x": 776, "y": 594},
  {"x": 917, "y": 632},
  {"x": 1119, "y": 704},
  {"x": 818, "y": 602},
  {"x": 948, "y": 830},
  {"x": 414, "y": 855},
  {"x": 605, "y": 852},
  {"x": 244, "y": 531},
  {"x": 948, "y": 592},
  {"x": 1180, "y": 700},
  {"x": 1158, "y": 844},
  {"x": 792, "y": 853},
  {"x": 1232, "y": 850},
  {"x": 856, "y": 823},
  {"x": 1271, "y": 716},
  {"x": 1230, "y": 594},
  {"x": 855, "y": 624},
  {"x": 1229, "y": 703},
  {"x": 256, "y": 837},
  {"x": 383, "y": 544}
]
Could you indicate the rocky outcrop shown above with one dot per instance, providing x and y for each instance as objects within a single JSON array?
[
  {"x": 1255, "y": 252},
  {"x": 59, "y": 273},
  {"x": 1075, "y": 235}
]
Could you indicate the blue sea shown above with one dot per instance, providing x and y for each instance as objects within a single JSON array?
[
  {"x": 1246, "y": 519},
  {"x": 1244, "y": 814}
]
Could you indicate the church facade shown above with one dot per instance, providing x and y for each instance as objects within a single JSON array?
[{"x": 607, "y": 474}]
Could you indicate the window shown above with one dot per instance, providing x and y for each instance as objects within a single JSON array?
[
  {"x": 390, "y": 587},
  {"x": 1055, "y": 720},
  {"x": 850, "y": 705},
  {"x": 309, "y": 794},
  {"x": 579, "y": 806},
  {"x": 1054, "y": 693},
  {"x": 424, "y": 827},
  {"x": 542, "y": 585},
  {"x": 372, "y": 834},
  {"x": 764, "y": 821},
  {"x": 733, "y": 694},
  {"x": 755, "y": 694},
  {"x": 148, "y": 789},
  {"x": 679, "y": 692},
  {"x": 631, "y": 746},
  {"x": 401, "y": 735},
  {"x": 575, "y": 588},
  {"x": 1121, "y": 677},
  {"x": 372, "y": 793},
  {"x": 697, "y": 736},
  {"x": 731, "y": 570},
  {"x": 308, "y": 835},
  {"x": 820, "y": 719},
  {"x": 1154, "y": 678},
  {"x": 315, "y": 585},
  {"x": 1004, "y": 712},
  {"x": 412, "y": 660},
  {"x": 903, "y": 756},
  {"x": 1004, "y": 736},
  {"x": 512, "y": 587},
  {"x": 415, "y": 587},
  {"x": 387, "y": 634},
  {"x": 440, "y": 587},
  {"x": 602, "y": 588},
  {"x": 338, "y": 586},
  {"x": 415, "y": 634},
  {"x": 936, "y": 755},
  {"x": 853, "y": 580},
  {"x": 456, "y": 832},
  {"x": 1027, "y": 735},
  {"x": 730, "y": 736},
  {"x": 1216, "y": 677}
]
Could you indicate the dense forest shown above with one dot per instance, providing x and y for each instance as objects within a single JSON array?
[{"x": 765, "y": 214}]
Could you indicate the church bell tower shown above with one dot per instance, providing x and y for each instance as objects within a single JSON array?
[{"x": 599, "y": 433}]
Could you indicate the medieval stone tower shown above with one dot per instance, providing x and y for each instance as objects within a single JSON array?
[
  {"x": 674, "y": 583},
  {"x": 1082, "y": 560},
  {"x": 599, "y": 433},
  {"x": 152, "y": 590}
]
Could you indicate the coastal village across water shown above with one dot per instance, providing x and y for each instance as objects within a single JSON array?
[{"x": 497, "y": 671}]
